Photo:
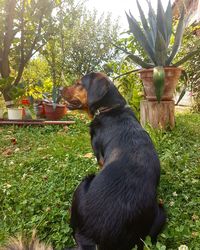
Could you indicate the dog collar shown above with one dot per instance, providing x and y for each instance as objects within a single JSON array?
[{"x": 106, "y": 109}]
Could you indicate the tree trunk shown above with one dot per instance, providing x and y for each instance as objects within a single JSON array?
[
  {"x": 8, "y": 37},
  {"x": 4, "y": 52},
  {"x": 8, "y": 100}
]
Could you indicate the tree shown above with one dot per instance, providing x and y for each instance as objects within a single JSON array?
[
  {"x": 192, "y": 66},
  {"x": 56, "y": 48},
  {"x": 24, "y": 31},
  {"x": 37, "y": 78},
  {"x": 92, "y": 44},
  {"x": 124, "y": 73},
  {"x": 81, "y": 43}
]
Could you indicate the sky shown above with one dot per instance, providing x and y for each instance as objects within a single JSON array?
[{"x": 118, "y": 8}]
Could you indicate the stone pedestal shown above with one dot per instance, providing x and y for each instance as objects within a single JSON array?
[{"x": 158, "y": 115}]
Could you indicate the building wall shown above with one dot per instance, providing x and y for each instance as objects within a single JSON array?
[{"x": 192, "y": 8}]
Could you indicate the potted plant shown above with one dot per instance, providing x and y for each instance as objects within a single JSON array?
[
  {"x": 53, "y": 109},
  {"x": 39, "y": 109},
  {"x": 26, "y": 104},
  {"x": 159, "y": 74},
  {"x": 16, "y": 110},
  {"x": 15, "y": 113},
  {"x": 14, "y": 107},
  {"x": 20, "y": 110}
]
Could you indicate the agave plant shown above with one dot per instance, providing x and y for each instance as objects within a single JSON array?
[
  {"x": 154, "y": 35},
  {"x": 54, "y": 97}
]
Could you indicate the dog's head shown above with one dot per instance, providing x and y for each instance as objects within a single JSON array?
[{"x": 90, "y": 93}]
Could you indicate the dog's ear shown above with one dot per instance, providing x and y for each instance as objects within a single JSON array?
[
  {"x": 97, "y": 86},
  {"x": 98, "y": 89}
]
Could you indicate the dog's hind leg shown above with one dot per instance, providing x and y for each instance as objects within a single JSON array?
[
  {"x": 84, "y": 243},
  {"x": 158, "y": 223},
  {"x": 78, "y": 215}
]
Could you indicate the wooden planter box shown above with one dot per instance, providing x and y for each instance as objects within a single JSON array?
[
  {"x": 158, "y": 115},
  {"x": 34, "y": 122}
]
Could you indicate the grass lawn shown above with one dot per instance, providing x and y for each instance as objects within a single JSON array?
[{"x": 41, "y": 166}]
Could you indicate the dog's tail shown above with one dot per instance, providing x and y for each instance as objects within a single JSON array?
[
  {"x": 23, "y": 243},
  {"x": 158, "y": 223}
]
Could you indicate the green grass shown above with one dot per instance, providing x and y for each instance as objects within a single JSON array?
[{"x": 41, "y": 166}]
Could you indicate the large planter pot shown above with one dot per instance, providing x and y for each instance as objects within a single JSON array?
[
  {"x": 54, "y": 113},
  {"x": 15, "y": 113},
  {"x": 172, "y": 75}
]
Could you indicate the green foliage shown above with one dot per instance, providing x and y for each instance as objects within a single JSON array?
[
  {"x": 56, "y": 94},
  {"x": 81, "y": 42},
  {"x": 39, "y": 83},
  {"x": 24, "y": 30},
  {"x": 155, "y": 33},
  {"x": 28, "y": 15},
  {"x": 14, "y": 91},
  {"x": 120, "y": 69},
  {"x": 40, "y": 172},
  {"x": 158, "y": 39},
  {"x": 72, "y": 40},
  {"x": 192, "y": 66},
  {"x": 37, "y": 78},
  {"x": 132, "y": 91},
  {"x": 36, "y": 70}
]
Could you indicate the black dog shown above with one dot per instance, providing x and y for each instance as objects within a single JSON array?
[{"x": 117, "y": 208}]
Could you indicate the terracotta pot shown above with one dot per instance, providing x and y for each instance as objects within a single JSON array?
[
  {"x": 172, "y": 75},
  {"x": 39, "y": 110},
  {"x": 55, "y": 114}
]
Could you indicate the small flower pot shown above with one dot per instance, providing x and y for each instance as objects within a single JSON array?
[
  {"x": 1, "y": 113},
  {"x": 15, "y": 113},
  {"x": 54, "y": 113}
]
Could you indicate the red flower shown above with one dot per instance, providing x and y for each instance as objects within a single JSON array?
[{"x": 26, "y": 102}]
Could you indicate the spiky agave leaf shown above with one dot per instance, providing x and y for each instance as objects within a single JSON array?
[
  {"x": 140, "y": 36},
  {"x": 187, "y": 57},
  {"x": 145, "y": 25},
  {"x": 134, "y": 58},
  {"x": 159, "y": 81},
  {"x": 168, "y": 18},
  {"x": 140, "y": 62},
  {"x": 54, "y": 94},
  {"x": 152, "y": 22},
  {"x": 161, "y": 21},
  {"x": 160, "y": 49},
  {"x": 186, "y": 80},
  {"x": 178, "y": 37}
]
